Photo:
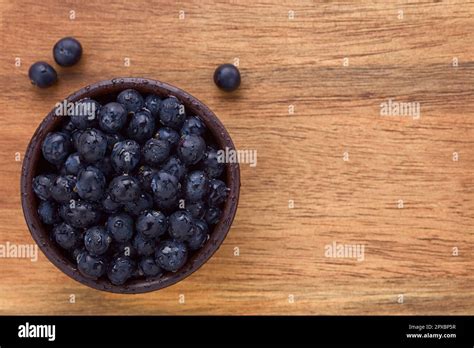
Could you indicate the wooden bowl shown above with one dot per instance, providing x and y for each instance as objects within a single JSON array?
[{"x": 34, "y": 164}]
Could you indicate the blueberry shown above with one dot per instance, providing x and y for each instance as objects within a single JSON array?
[
  {"x": 196, "y": 186},
  {"x": 181, "y": 225},
  {"x": 213, "y": 215},
  {"x": 109, "y": 206},
  {"x": 152, "y": 224},
  {"x": 171, "y": 255},
  {"x": 197, "y": 209},
  {"x": 175, "y": 167},
  {"x": 143, "y": 245},
  {"x": 217, "y": 192},
  {"x": 113, "y": 139},
  {"x": 145, "y": 175},
  {"x": 120, "y": 270},
  {"x": 105, "y": 166},
  {"x": 48, "y": 212},
  {"x": 193, "y": 125},
  {"x": 69, "y": 127},
  {"x": 227, "y": 77},
  {"x": 66, "y": 236},
  {"x": 172, "y": 113},
  {"x": 80, "y": 214},
  {"x": 73, "y": 164},
  {"x": 124, "y": 188},
  {"x": 149, "y": 268},
  {"x": 90, "y": 266},
  {"x": 155, "y": 151},
  {"x": 112, "y": 117},
  {"x": 92, "y": 145},
  {"x": 152, "y": 103},
  {"x": 56, "y": 147},
  {"x": 97, "y": 240},
  {"x": 143, "y": 202},
  {"x": 141, "y": 126},
  {"x": 67, "y": 51},
  {"x": 62, "y": 190},
  {"x": 42, "y": 185},
  {"x": 212, "y": 163},
  {"x": 75, "y": 138},
  {"x": 120, "y": 227},
  {"x": 125, "y": 156},
  {"x": 191, "y": 149},
  {"x": 164, "y": 186},
  {"x": 90, "y": 184},
  {"x": 201, "y": 233},
  {"x": 85, "y": 114},
  {"x": 131, "y": 100},
  {"x": 42, "y": 74},
  {"x": 168, "y": 134}
]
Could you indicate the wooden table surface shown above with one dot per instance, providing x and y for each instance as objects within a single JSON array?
[{"x": 401, "y": 187}]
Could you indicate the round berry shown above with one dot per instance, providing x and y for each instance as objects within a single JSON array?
[
  {"x": 171, "y": 255},
  {"x": 120, "y": 227},
  {"x": 92, "y": 145},
  {"x": 97, "y": 240},
  {"x": 155, "y": 151},
  {"x": 175, "y": 167},
  {"x": 48, "y": 212},
  {"x": 197, "y": 209},
  {"x": 152, "y": 224},
  {"x": 42, "y": 74},
  {"x": 80, "y": 214},
  {"x": 90, "y": 184},
  {"x": 199, "y": 237},
  {"x": 213, "y": 215},
  {"x": 191, "y": 149},
  {"x": 172, "y": 113},
  {"x": 109, "y": 206},
  {"x": 62, "y": 190},
  {"x": 67, "y": 51},
  {"x": 66, "y": 236},
  {"x": 85, "y": 114},
  {"x": 168, "y": 134},
  {"x": 42, "y": 185},
  {"x": 112, "y": 117},
  {"x": 124, "y": 188},
  {"x": 227, "y": 77},
  {"x": 212, "y": 164},
  {"x": 181, "y": 225},
  {"x": 145, "y": 175},
  {"x": 144, "y": 246},
  {"x": 196, "y": 186},
  {"x": 120, "y": 270},
  {"x": 217, "y": 192},
  {"x": 149, "y": 268},
  {"x": 164, "y": 186},
  {"x": 193, "y": 125},
  {"x": 56, "y": 147},
  {"x": 141, "y": 126},
  {"x": 73, "y": 164},
  {"x": 131, "y": 100},
  {"x": 125, "y": 156},
  {"x": 152, "y": 103},
  {"x": 90, "y": 266},
  {"x": 143, "y": 202}
]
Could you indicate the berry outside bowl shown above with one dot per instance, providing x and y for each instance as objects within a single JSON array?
[{"x": 33, "y": 164}]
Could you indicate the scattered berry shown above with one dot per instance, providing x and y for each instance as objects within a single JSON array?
[
  {"x": 42, "y": 74},
  {"x": 67, "y": 51},
  {"x": 227, "y": 77}
]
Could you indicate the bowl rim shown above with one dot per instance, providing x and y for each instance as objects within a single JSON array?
[{"x": 30, "y": 202}]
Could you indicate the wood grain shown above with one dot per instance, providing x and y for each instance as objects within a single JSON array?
[{"x": 299, "y": 62}]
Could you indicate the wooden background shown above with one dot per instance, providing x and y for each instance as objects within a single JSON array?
[{"x": 283, "y": 62}]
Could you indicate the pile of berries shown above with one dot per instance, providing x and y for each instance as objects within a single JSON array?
[{"x": 132, "y": 187}]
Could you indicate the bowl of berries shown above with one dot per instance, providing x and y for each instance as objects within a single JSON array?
[{"x": 124, "y": 188}]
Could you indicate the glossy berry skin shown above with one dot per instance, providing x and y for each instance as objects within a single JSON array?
[
  {"x": 164, "y": 186},
  {"x": 213, "y": 215},
  {"x": 217, "y": 192},
  {"x": 227, "y": 77},
  {"x": 48, "y": 212},
  {"x": 211, "y": 163},
  {"x": 73, "y": 164},
  {"x": 90, "y": 266},
  {"x": 124, "y": 188},
  {"x": 80, "y": 214},
  {"x": 153, "y": 103},
  {"x": 175, "y": 167},
  {"x": 75, "y": 135},
  {"x": 197, "y": 240},
  {"x": 120, "y": 270},
  {"x": 191, "y": 149},
  {"x": 151, "y": 224},
  {"x": 120, "y": 227},
  {"x": 85, "y": 114},
  {"x": 112, "y": 117},
  {"x": 56, "y": 147},
  {"x": 67, "y": 51},
  {"x": 131, "y": 100},
  {"x": 42, "y": 185},
  {"x": 125, "y": 156},
  {"x": 90, "y": 184},
  {"x": 92, "y": 145},
  {"x": 168, "y": 134},
  {"x": 145, "y": 175},
  {"x": 62, "y": 190},
  {"x": 171, "y": 255},
  {"x": 113, "y": 139},
  {"x": 141, "y": 126},
  {"x": 66, "y": 236},
  {"x": 105, "y": 166},
  {"x": 42, "y": 74},
  {"x": 149, "y": 268},
  {"x": 155, "y": 151},
  {"x": 109, "y": 206},
  {"x": 196, "y": 186},
  {"x": 143, "y": 202},
  {"x": 172, "y": 113},
  {"x": 193, "y": 125},
  {"x": 197, "y": 209},
  {"x": 144, "y": 246},
  {"x": 181, "y": 225},
  {"x": 97, "y": 240}
]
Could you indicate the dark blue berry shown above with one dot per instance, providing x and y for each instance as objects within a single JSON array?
[
  {"x": 155, "y": 151},
  {"x": 120, "y": 270},
  {"x": 105, "y": 166},
  {"x": 164, "y": 186},
  {"x": 143, "y": 245},
  {"x": 75, "y": 138},
  {"x": 227, "y": 77},
  {"x": 141, "y": 126},
  {"x": 48, "y": 212},
  {"x": 193, "y": 125},
  {"x": 125, "y": 156},
  {"x": 73, "y": 164},
  {"x": 217, "y": 192},
  {"x": 67, "y": 51},
  {"x": 109, "y": 206},
  {"x": 42, "y": 185},
  {"x": 171, "y": 255},
  {"x": 66, "y": 236},
  {"x": 90, "y": 266},
  {"x": 196, "y": 186},
  {"x": 168, "y": 134},
  {"x": 152, "y": 103},
  {"x": 151, "y": 224},
  {"x": 124, "y": 188},
  {"x": 197, "y": 209},
  {"x": 120, "y": 227},
  {"x": 191, "y": 149},
  {"x": 56, "y": 147},
  {"x": 112, "y": 117},
  {"x": 145, "y": 175},
  {"x": 80, "y": 214},
  {"x": 167, "y": 205},
  {"x": 90, "y": 184},
  {"x": 175, "y": 167},
  {"x": 62, "y": 190},
  {"x": 212, "y": 163},
  {"x": 181, "y": 225},
  {"x": 85, "y": 114},
  {"x": 149, "y": 268},
  {"x": 131, "y": 100},
  {"x": 113, "y": 139},
  {"x": 172, "y": 113},
  {"x": 213, "y": 215},
  {"x": 143, "y": 202},
  {"x": 97, "y": 240},
  {"x": 42, "y": 74},
  {"x": 199, "y": 237},
  {"x": 92, "y": 145},
  {"x": 69, "y": 127}
]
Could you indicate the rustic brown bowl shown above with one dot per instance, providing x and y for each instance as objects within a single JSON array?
[{"x": 33, "y": 164}]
